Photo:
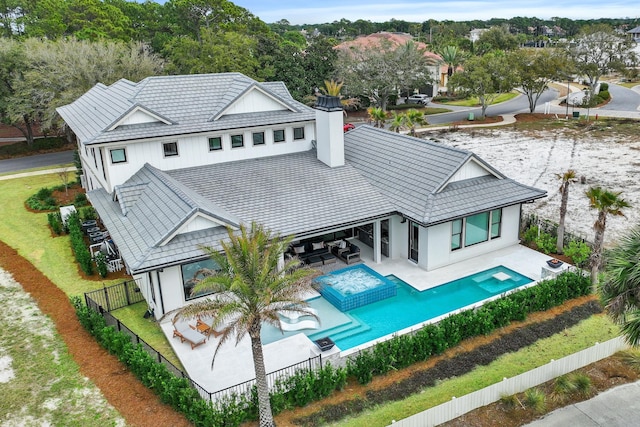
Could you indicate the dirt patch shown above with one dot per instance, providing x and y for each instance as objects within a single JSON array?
[{"x": 136, "y": 403}]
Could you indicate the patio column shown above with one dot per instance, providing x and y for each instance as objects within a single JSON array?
[{"x": 377, "y": 244}]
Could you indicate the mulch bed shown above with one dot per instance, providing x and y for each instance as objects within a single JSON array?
[{"x": 135, "y": 402}]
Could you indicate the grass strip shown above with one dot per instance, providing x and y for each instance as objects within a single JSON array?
[{"x": 462, "y": 364}]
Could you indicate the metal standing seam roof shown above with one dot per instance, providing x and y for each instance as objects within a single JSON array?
[
  {"x": 189, "y": 102},
  {"x": 413, "y": 174}
]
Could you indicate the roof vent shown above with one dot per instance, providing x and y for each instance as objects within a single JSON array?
[{"x": 328, "y": 103}]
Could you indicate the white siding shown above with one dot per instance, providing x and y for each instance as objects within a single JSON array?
[
  {"x": 439, "y": 251},
  {"x": 470, "y": 170},
  {"x": 194, "y": 151},
  {"x": 254, "y": 102}
]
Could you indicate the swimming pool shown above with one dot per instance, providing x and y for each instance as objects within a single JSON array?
[{"x": 408, "y": 308}]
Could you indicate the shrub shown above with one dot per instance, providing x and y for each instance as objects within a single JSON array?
[
  {"x": 88, "y": 212},
  {"x": 582, "y": 383},
  {"x": 80, "y": 250},
  {"x": 562, "y": 388},
  {"x": 510, "y": 401},
  {"x": 530, "y": 234},
  {"x": 579, "y": 252},
  {"x": 546, "y": 243},
  {"x": 44, "y": 193},
  {"x": 101, "y": 264},
  {"x": 80, "y": 200},
  {"x": 604, "y": 87},
  {"x": 55, "y": 222}
]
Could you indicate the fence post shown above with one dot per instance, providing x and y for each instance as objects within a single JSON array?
[
  {"x": 126, "y": 291},
  {"x": 106, "y": 296}
]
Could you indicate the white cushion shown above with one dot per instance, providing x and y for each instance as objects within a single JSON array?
[
  {"x": 298, "y": 249},
  {"x": 316, "y": 246}
]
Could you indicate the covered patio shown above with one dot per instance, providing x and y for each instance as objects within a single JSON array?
[{"x": 234, "y": 363}]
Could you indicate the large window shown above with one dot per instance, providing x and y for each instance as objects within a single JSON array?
[
  {"x": 278, "y": 135},
  {"x": 215, "y": 143},
  {"x": 118, "y": 155},
  {"x": 192, "y": 273},
  {"x": 170, "y": 149},
  {"x": 475, "y": 229},
  {"x": 298, "y": 133},
  {"x": 237, "y": 141}
]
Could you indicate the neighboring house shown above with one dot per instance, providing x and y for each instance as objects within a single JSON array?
[
  {"x": 170, "y": 162},
  {"x": 635, "y": 34},
  {"x": 399, "y": 39},
  {"x": 474, "y": 34}
]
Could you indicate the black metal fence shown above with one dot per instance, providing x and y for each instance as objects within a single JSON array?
[{"x": 116, "y": 296}]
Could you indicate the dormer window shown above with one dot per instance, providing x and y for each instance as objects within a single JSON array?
[
  {"x": 170, "y": 149},
  {"x": 237, "y": 141}
]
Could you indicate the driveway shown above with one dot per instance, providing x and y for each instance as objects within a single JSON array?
[{"x": 622, "y": 99}]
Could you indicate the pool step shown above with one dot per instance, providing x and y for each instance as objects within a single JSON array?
[{"x": 350, "y": 332}]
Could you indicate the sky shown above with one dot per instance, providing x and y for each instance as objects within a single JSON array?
[{"x": 316, "y": 12}]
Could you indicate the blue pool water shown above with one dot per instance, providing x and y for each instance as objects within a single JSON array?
[
  {"x": 353, "y": 287},
  {"x": 409, "y": 307}
]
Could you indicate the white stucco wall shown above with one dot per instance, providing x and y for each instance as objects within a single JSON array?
[
  {"x": 398, "y": 234},
  {"x": 439, "y": 253}
]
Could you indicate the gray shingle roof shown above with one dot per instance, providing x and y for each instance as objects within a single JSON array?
[
  {"x": 188, "y": 102},
  {"x": 413, "y": 174},
  {"x": 152, "y": 208},
  {"x": 290, "y": 194}
]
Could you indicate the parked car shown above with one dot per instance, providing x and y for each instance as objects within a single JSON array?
[
  {"x": 348, "y": 126},
  {"x": 418, "y": 99}
]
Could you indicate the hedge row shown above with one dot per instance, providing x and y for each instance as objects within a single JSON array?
[
  {"x": 297, "y": 390},
  {"x": 80, "y": 250},
  {"x": 404, "y": 350}
]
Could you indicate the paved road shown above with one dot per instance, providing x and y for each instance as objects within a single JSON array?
[
  {"x": 617, "y": 407},
  {"x": 519, "y": 104},
  {"x": 622, "y": 99},
  {"x": 36, "y": 161}
]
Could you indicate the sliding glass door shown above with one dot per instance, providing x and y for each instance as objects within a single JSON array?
[{"x": 414, "y": 233}]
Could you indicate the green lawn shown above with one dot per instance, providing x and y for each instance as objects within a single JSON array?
[
  {"x": 475, "y": 101},
  {"x": 29, "y": 234},
  {"x": 579, "y": 337}
]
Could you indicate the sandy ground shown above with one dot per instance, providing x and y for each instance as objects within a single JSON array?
[{"x": 535, "y": 160}]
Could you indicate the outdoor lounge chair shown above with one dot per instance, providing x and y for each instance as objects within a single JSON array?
[
  {"x": 187, "y": 333},
  {"x": 348, "y": 254}
]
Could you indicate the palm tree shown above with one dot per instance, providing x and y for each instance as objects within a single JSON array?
[
  {"x": 567, "y": 178},
  {"x": 397, "y": 122},
  {"x": 333, "y": 88},
  {"x": 378, "y": 116},
  {"x": 413, "y": 118},
  {"x": 250, "y": 288},
  {"x": 452, "y": 57},
  {"x": 606, "y": 203},
  {"x": 620, "y": 291}
]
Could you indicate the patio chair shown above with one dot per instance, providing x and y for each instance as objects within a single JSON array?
[{"x": 187, "y": 333}]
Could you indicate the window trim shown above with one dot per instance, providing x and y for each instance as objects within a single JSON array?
[
  {"x": 253, "y": 138},
  {"x": 298, "y": 138},
  {"x": 284, "y": 136},
  {"x": 241, "y": 136},
  {"x": 219, "y": 138},
  {"x": 124, "y": 151},
  {"x": 463, "y": 232},
  {"x": 170, "y": 154}
]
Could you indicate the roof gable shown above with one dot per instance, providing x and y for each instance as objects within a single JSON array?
[
  {"x": 136, "y": 115},
  {"x": 474, "y": 167},
  {"x": 197, "y": 221},
  {"x": 252, "y": 100}
]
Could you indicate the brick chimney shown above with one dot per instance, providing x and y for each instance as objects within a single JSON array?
[{"x": 329, "y": 131}]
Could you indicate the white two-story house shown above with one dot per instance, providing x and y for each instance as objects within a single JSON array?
[{"x": 170, "y": 162}]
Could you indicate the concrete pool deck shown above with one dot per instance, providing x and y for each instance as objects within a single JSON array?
[{"x": 234, "y": 363}]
